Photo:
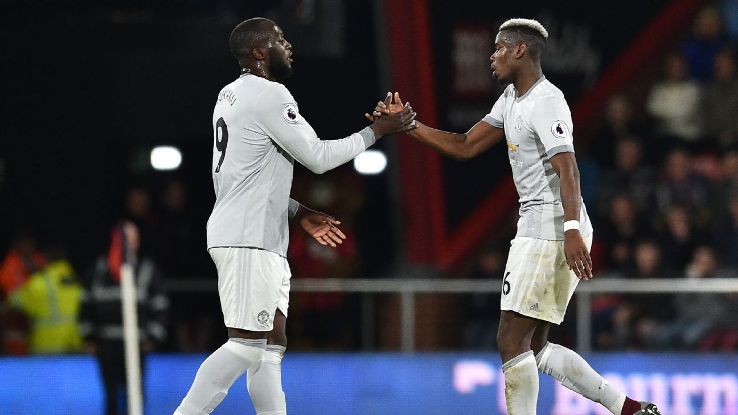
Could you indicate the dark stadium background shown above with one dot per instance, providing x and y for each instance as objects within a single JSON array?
[{"x": 90, "y": 87}]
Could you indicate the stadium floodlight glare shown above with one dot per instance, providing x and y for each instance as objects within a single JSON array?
[
  {"x": 166, "y": 158},
  {"x": 370, "y": 162}
]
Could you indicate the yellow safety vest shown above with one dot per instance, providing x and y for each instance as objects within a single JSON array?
[{"x": 51, "y": 298}]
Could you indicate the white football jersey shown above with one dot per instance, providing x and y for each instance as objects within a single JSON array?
[
  {"x": 258, "y": 133},
  {"x": 537, "y": 126}
]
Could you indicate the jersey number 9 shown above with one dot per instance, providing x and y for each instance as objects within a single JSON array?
[{"x": 221, "y": 140}]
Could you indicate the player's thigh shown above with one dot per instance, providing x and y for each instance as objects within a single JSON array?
[
  {"x": 278, "y": 335},
  {"x": 534, "y": 284},
  {"x": 540, "y": 336},
  {"x": 250, "y": 284}
]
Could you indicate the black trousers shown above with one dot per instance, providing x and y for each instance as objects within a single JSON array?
[{"x": 112, "y": 361}]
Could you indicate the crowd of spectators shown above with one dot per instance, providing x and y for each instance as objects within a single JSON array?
[
  {"x": 666, "y": 203},
  {"x": 45, "y": 299}
]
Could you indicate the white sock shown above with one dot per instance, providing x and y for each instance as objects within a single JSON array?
[
  {"x": 521, "y": 384},
  {"x": 576, "y": 374},
  {"x": 264, "y": 382},
  {"x": 217, "y": 373}
]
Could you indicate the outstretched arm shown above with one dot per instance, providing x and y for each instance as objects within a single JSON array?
[
  {"x": 280, "y": 119},
  {"x": 458, "y": 146},
  {"x": 577, "y": 254}
]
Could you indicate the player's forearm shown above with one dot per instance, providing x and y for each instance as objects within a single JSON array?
[
  {"x": 324, "y": 155},
  {"x": 449, "y": 144},
  {"x": 571, "y": 196}
]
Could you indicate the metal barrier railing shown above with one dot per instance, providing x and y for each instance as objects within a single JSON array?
[{"x": 408, "y": 288}]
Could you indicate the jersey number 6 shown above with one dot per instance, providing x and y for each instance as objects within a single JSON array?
[
  {"x": 221, "y": 140},
  {"x": 506, "y": 284}
]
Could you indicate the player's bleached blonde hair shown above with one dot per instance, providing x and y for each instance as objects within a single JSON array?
[
  {"x": 527, "y": 31},
  {"x": 531, "y": 24}
]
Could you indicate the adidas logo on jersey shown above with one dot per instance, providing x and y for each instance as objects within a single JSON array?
[{"x": 534, "y": 307}]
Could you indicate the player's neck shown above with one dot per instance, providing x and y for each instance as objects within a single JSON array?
[
  {"x": 257, "y": 70},
  {"x": 526, "y": 80}
]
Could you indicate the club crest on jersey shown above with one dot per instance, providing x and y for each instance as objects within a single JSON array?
[
  {"x": 559, "y": 129},
  {"x": 519, "y": 123},
  {"x": 263, "y": 317},
  {"x": 290, "y": 114}
]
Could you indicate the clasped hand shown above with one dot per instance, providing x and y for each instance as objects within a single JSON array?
[{"x": 391, "y": 116}]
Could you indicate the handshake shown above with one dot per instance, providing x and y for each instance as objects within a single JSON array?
[{"x": 391, "y": 116}]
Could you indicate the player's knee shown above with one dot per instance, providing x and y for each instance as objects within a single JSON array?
[
  {"x": 509, "y": 345},
  {"x": 537, "y": 344}
]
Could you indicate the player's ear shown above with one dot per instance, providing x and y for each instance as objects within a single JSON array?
[
  {"x": 520, "y": 50},
  {"x": 258, "y": 54}
]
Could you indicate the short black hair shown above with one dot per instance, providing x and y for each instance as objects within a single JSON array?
[
  {"x": 523, "y": 34},
  {"x": 528, "y": 31},
  {"x": 250, "y": 34}
]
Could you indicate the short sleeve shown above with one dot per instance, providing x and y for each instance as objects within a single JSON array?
[
  {"x": 496, "y": 116},
  {"x": 551, "y": 121}
]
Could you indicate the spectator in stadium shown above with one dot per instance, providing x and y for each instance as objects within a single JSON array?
[
  {"x": 179, "y": 246},
  {"x": 729, "y": 12},
  {"x": 481, "y": 311},
  {"x": 648, "y": 259},
  {"x": 138, "y": 209},
  {"x": 310, "y": 259},
  {"x": 102, "y": 317},
  {"x": 628, "y": 176},
  {"x": 618, "y": 124},
  {"x": 679, "y": 185},
  {"x": 678, "y": 233},
  {"x": 22, "y": 260},
  {"x": 181, "y": 255},
  {"x": 695, "y": 314},
  {"x": 674, "y": 103},
  {"x": 51, "y": 299},
  {"x": 620, "y": 232},
  {"x": 720, "y": 102},
  {"x": 708, "y": 38},
  {"x": 726, "y": 235}
]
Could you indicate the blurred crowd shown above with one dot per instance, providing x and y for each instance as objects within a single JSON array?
[
  {"x": 666, "y": 200},
  {"x": 659, "y": 177},
  {"x": 50, "y": 305}
]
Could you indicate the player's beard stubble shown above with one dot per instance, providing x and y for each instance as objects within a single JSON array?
[{"x": 280, "y": 66}]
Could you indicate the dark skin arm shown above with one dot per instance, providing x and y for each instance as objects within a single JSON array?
[
  {"x": 577, "y": 254},
  {"x": 457, "y": 146},
  {"x": 321, "y": 226}
]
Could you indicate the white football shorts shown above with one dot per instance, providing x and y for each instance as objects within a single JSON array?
[
  {"x": 537, "y": 281},
  {"x": 252, "y": 284}
]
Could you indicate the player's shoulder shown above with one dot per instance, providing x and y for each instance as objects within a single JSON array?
[
  {"x": 272, "y": 92},
  {"x": 246, "y": 85},
  {"x": 547, "y": 95},
  {"x": 509, "y": 92},
  {"x": 255, "y": 93},
  {"x": 548, "y": 91}
]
